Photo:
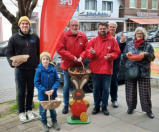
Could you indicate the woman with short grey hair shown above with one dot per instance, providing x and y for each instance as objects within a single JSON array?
[
  {"x": 142, "y": 30},
  {"x": 145, "y": 52}
]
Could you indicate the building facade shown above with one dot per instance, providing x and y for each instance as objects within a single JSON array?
[
  {"x": 91, "y": 12},
  {"x": 143, "y": 13}
]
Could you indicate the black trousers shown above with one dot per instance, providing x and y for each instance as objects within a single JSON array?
[
  {"x": 144, "y": 93},
  {"x": 114, "y": 80},
  {"x": 25, "y": 82}
]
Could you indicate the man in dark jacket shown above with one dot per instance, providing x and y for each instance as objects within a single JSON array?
[
  {"x": 116, "y": 66},
  {"x": 24, "y": 43}
]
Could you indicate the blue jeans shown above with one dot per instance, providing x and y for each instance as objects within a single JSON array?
[
  {"x": 66, "y": 87},
  {"x": 114, "y": 80},
  {"x": 101, "y": 85},
  {"x": 43, "y": 114}
]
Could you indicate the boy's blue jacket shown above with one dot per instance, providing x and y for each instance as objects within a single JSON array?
[{"x": 46, "y": 79}]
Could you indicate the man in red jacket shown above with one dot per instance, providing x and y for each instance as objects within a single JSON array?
[
  {"x": 71, "y": 47},
  {"x": 102, "y": 50}
]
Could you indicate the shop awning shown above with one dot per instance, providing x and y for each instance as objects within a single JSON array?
[{"x": 145, "y": 20}]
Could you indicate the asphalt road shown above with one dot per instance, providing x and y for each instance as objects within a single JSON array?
[{"x": 7, "y": 81}]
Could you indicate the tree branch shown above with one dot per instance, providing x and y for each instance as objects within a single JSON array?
[
  {"x": 11, "y": 18},
  {"x": 32, "y": 6},
  {"x": 15, "y": 4},
  {"x": 21, "y": 7},
  {"x": 28, "y": 2}
]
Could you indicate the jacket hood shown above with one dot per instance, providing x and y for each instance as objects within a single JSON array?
[
  {"x": 49, "y": 69},
  {"x": 22, "y": 34}
]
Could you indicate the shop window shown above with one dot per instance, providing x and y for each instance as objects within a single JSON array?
[
  {"x": 144, "y": 4},
  {"x": 93, "y": 26},
  {"x": 154, "y": 4},
  {"x": 107, "y": 6},
  {"x": 90, "y": 4},
  {"x": 132, "y": 3}
]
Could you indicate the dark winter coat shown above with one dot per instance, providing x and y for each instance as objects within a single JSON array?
[
  {"x": 20, "y": 44},
  {"x": 144, "y": 65}
]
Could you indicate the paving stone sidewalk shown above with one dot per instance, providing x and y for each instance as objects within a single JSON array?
[{"x": 117, "y": 121}]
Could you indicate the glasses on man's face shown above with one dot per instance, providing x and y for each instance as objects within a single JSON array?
[{"x": 74, "y": 25}]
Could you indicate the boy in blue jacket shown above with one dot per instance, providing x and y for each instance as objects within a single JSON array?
[{"x": 47, "y": 82}]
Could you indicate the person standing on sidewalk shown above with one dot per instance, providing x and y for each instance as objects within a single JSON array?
[
  {"x": 116, "y": 65},
  {"x": 47, "y": 82},
  {"x": 71, "y": 47},
  {"x": 145, "y": 49},
  {"x": 102, "y": 50},
  {"x": 24, "y": 42}
]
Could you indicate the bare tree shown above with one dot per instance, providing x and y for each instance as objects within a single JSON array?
[{"x": 25, "y": 8}]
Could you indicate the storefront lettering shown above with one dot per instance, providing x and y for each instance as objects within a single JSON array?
[
  {"x": 98, "y": 14},
  {"x": 146, "y": 14},
  {"x": 64, "y": 2}
]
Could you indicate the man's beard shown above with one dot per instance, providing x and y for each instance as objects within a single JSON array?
[
  {"x": 74, "y": 32},
  {"x": 103, "y": 34}
]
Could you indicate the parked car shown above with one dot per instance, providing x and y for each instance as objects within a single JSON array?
[
  {"x": 3, "y": 47},
  {"x": 129, "y": 35},
  {"x": 91, "y": 34},
  {"x": 153, "y": 36}
]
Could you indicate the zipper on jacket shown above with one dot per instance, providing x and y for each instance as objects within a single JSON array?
[
  {"x": 27, "y": 44},
  {"x": 48, "y": 79}
]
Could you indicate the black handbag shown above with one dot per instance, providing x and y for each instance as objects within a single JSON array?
[{"x": 132, "y": 73}]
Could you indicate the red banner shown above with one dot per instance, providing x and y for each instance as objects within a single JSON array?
[{"x": 54, "y": 18}]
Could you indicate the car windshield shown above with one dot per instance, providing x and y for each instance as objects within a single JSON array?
[
  {"x": 91, "y": 33},
  {"x": 152, "y": 33}
]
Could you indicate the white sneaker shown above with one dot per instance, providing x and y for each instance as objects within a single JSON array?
[
  {"x": 30, "y": 115},
  {"x": 22, "y": 117}
]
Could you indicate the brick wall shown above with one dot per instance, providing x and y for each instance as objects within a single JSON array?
[{"x": 125, "y": 10}]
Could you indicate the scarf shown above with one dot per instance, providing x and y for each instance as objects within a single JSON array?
[{"x": 138, "y": 43}]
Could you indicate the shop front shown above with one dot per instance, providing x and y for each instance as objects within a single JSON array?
[
  {"x": 148, "y": 20},
  {"x": 89, "y": 21},
  {"x": 150, "y": 24}
]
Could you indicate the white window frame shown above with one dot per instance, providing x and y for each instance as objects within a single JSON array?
[
  {"x": 106, "y": 5},
  {"x": 146, "y": 4},
  {"x": 155, "y": 4},
  {"x": 130, "y": 6},
  {"x": 95, "y": 6}
]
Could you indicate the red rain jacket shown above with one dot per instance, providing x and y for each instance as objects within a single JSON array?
[
  {"x": 70, "y": 46},
  {"x": 103, "y": 46}
]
